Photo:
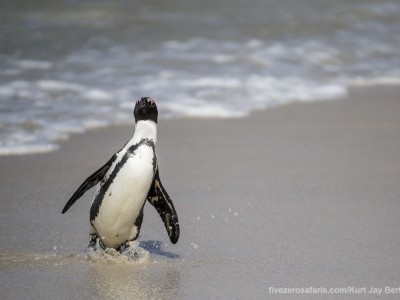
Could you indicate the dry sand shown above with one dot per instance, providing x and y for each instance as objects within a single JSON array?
[{"x": 305, "y": 195}]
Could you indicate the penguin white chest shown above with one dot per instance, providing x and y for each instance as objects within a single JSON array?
[{"x": 123, "y": 195}]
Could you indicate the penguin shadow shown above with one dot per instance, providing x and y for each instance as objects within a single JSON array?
[{"x": 155, "y": 247}]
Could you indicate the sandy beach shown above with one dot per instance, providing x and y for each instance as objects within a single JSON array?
[{"x": 302, "y": 195}]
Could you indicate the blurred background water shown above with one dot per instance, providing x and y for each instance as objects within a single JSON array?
[{"x": 67, "y": 66}]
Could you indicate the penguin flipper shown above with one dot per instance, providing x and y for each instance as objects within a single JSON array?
[
  {"x": 159, "y": 198},
  {"x": 90, "y": 182}
]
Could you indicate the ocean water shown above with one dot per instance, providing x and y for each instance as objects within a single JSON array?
[{"x": 67, "y": 66}]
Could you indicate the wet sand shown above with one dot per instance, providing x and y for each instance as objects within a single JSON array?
[{"x": 304, "y": 195}]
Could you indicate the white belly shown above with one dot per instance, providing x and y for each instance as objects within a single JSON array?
[{"x": 124, "y": 199}]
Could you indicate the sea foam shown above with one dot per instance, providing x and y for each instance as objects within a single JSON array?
[{"x": 43, "y": 102}]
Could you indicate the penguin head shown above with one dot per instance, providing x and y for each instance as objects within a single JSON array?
[{"x": 145, "y": 109}]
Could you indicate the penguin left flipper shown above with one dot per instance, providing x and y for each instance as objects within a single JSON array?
[
  {"x": 159, "y": 198},
  {"x": 90, "y": 182}
]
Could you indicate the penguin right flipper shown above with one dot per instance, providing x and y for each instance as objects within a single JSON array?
[
  {"x": 161, "y": 201},
  {"x": 90, "y": 182}
]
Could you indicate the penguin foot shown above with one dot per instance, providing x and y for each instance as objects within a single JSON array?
[
  {"x": 121, "y": 248},
  {"x": 124, "y": 247},
  {"x": 133, "y": 251},
  {"x": 93, "y": 241},
  {"x": 102, "y": 246}
]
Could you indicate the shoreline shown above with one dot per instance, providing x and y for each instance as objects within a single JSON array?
[
  {"x": 304, "y": 194},
  {"x": 353, "y": 92}
]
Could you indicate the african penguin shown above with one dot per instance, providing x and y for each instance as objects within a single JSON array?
[{"x": 124, "y": 184}]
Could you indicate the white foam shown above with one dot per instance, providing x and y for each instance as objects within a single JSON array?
[
  {"x": 205, "y": 111},
  {"x": 384, "y": 80},
  {"x": 14, "y": 88},
  {"x": 197, "y": 77},
  {"x": 211, "y": 82},
  {"x": 223, "y": 58},
  {"x": 95, "y": 123},
  {"x": 254, "y": 43},
  {"x": 97, "y": 95},
  {"x": 54, "y": 85},
  {"x": 133, "y": 254},
  {"x": 12, "y": 72},
  {"x": 184, "y": 45},
  {"x": 271, "y": 91},
  {"x": 33, "y": 64},
  {"x": 27, "y": 149}
]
